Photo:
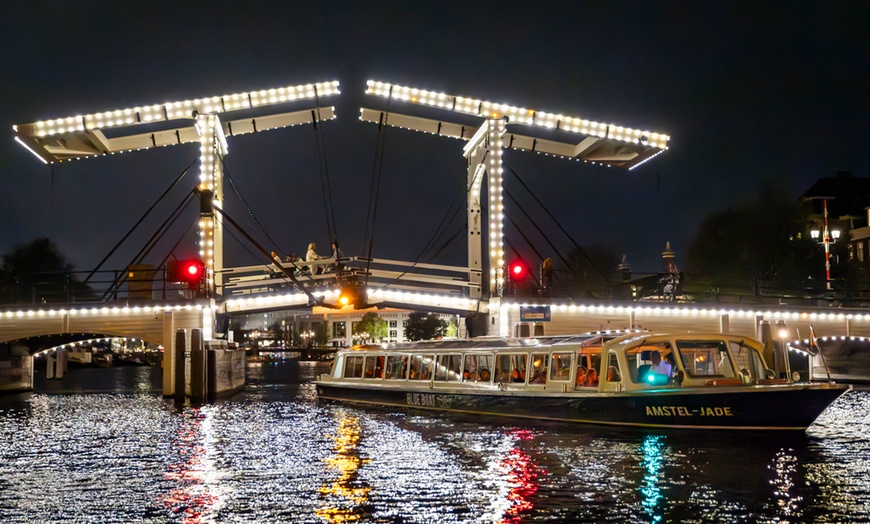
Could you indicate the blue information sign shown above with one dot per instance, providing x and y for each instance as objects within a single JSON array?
[{"x": 534, "y": 313}]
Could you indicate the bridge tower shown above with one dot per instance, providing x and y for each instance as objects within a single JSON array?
[{"x": 599, "y": 143}]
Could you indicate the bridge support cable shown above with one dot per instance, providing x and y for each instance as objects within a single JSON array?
[
  {"x": 537, "y": 228},
  {"x": 152, "y": 242},
  {"x": 150, "y": 209},
  {"x": 377, "y": 168},
  {"x": 312, "y": 300},
  {"x": 118, "y": 282},
  {"x": 555, "y": 221},
  {"x": 449, "y": 243},
  {"x": 324, "y": 170},
  {"x": 540, "y": 256},
  {"x": 375, "y": 183},
  {"x": 250, "y": 212},
  {"x": 449, "y": 216},
  {"x": 162, "y": 229},
  {"x": 245, "y": 246},
  {"x": 550, "y": 243},
  {"x": 440, "y": 231}
]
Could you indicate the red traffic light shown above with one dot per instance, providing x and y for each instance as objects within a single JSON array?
[
  {"x": 190, "y": 271},
  {"x": 517, "y": 271}
]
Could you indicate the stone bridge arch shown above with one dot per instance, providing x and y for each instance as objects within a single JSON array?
[{"x": 154, "y": 323}]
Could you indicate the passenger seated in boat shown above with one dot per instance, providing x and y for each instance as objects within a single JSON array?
[
  {"x": 538, "y": 377},
  {"x": 516, "y": 376},
  {"x": 659, "y": 366},
  {"x": 465, "y": 375},
  {"x": 591, "y": 378},
  {"x": 613, "y": 374},
  {"x": 484, "y": 375},
  {"x": 581, "y": 376},
  {"x": 472, "y": 376}
]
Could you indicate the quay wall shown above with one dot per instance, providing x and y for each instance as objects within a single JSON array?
[{"x": 16, "y": 373}]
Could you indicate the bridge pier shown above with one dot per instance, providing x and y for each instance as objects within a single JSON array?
[
  {"x": 205, "y": 370},
  {"x": 198, "y": 379},
  {"x": 56, "y": 364},
  {"x": 173, "y": 368}
]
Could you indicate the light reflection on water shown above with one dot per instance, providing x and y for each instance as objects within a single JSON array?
[
  {"x": 653, "y": 457},
  {"x": 346, "y": 496},
  {"x": 274, "y": 454}
]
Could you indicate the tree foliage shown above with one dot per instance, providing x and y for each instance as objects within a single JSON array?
[
  {"x": 758, "y": 239},
  {"x": 425, "y": 326},
  {"x": 373, "y": 325},
  {"x": 590, "y": 269},
  {"x": 37, "y": 272},
  {"x": 321, "y": 334}
]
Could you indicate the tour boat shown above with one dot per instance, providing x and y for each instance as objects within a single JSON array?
[{"x": 700, "y": 381}]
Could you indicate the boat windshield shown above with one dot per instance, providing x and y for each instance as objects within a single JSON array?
[
  {"x": 706, "y": 358},
  {"x": 748, "y": 360}
]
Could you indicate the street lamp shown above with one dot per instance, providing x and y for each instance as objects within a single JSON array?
[{"x": 826, "y": 236}]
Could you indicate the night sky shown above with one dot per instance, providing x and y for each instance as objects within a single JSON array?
[{"x": 749, "y": 92}]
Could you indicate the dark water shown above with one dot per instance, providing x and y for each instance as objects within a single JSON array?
[{"x": 102, "y": 445}]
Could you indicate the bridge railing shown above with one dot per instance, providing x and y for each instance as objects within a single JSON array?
[
  {"x": 81, "y": 287},
  {"x": 144, "y": 283},
  {"x": 376, "y": 273},
  {"x": 651, "y": 287}
]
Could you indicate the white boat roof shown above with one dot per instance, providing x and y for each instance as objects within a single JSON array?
[{"x": 483, "y": 343}]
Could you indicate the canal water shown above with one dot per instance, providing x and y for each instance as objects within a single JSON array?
[{"x": 102, "y": 445}]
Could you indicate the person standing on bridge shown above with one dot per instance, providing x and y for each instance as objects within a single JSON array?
[{"x": 312, "y": 256}]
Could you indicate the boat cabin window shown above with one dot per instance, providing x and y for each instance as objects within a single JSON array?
[
  {"x": 539, "y": 368},
  {"x": 397, "y": 365},
  {"x": 353, "y": 366},
  {"x": 447, "y": 368},
  {"x": 706, "y": 358},
  {"x": 477, "y": 368},
  {"x": 511, "y": 367},
  {"x": 374, "y": 366},
  {"x": 588, "y": 364},
  {"x": 421, "y": 367},
  {"x": 748, "y": 360},
  {"x": 560, "y": 366},
  {"x": 613, "y": 373}
]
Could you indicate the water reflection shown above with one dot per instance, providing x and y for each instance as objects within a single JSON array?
[
  {"x": 785, "y": 468},
  {"x": 521, "y": 477},
  {"x": 346, "y": 496},
  {"x": 653, "y": 457},
  {"x": 192, "y": 498}
]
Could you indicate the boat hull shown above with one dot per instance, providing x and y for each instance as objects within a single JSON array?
[{"x": 788, "y": 407}]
